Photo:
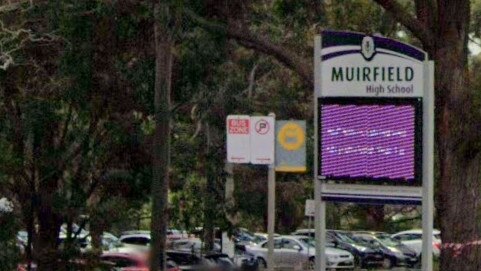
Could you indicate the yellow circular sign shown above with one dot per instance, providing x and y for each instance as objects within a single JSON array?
[{"x": 291, "y": 136}]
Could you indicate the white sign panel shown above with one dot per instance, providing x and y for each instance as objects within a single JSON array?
[
  {"x": 262, "y": 144},
  {"x": 238, "y": 138},
  {"x": 374, "y": 67},
  {"x": 310, "y": 209}
]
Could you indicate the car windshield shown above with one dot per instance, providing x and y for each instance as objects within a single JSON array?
[
  {"x": 343, "y": 237},
  {"x": 307, "y": 241},
  {"x": 388, "y": 241},
  {"x": 258, "y": 239}
]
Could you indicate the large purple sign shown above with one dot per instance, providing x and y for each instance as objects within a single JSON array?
[{"x": 368, "y": 141}]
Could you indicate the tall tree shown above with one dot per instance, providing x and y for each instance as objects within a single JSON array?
[{"x": 161, "y": 147}]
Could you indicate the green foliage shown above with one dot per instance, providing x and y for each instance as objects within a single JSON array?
[{"x": 9, "y": 251}]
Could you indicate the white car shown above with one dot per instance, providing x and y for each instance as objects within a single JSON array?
[
  {"x": 414, "y": 240},
  {"x": 260, "y": 237},
  {"x": 135, "y": 241},
  {"x": 296, "y": 251}
]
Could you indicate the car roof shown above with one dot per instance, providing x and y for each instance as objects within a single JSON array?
[
  {"x": 142, "y": 235},
  {"x": 135, "y": 232},
  {"x": 369, "y": 232},
  {"x": 305, "y": 230},
  {"x": 262, "y": 234},
  {"x": 296, "y": 237},
  {"x": 416, "y": 231}
]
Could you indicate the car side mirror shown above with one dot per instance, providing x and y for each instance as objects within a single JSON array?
[
  {"x": 297, "y": 247},
  {"x": 335, "y": 242}
]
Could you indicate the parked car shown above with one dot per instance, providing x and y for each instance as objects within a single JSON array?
[
  {"x": 305, "y": 232},
  {"x": 139, "y": 241},
  {"x": 22, "y": 241},
  {"x": 294, "y": 251},
  {"x": 194, "y": 245},
  {"x": 414, "y": 240},
  {"x": 221, "y": 261},
  {"x": 133, "y": 262},
  {"x": 365, "y": 256},
  {"x": 395, "y": 253},
  {"x": 188, "y": 261},
  {"x": 246, "y": 261},
  {"x": 243, "y": 236},
  {"x": 77, "y": 264},
  {"x": 109, "y": 242},
  {"x": 173, "y": 234},
  {"x": 24, "y": 267},
  {"x": 261, "y": 237}
]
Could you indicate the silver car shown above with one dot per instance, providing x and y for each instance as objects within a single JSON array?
[{"x": 298, "y": 251}]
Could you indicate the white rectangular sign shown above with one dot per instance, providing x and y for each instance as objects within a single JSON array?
[
  {"x": 238, "y": 138},
  {"x": 310, "y": 208},
  {"x": 262, "y": 140},
  {"x": 384, "y": 76}
]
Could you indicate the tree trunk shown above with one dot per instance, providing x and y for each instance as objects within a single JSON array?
[
  {"x": 210, "y": 194},
  {"x": 458, "y": 199},
  {"x": 375, "y": 217},
  {"x": 161, "y": 147},
  {"x": 49, "y": 222}
]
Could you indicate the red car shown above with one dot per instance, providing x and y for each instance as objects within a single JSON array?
[{"x": 132, "y": 262}]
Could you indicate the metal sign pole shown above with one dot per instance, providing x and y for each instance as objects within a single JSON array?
[
  {"x": 320, "y": 206},
  {"x": 428, "y": 164},
  {"x": 271, "y": 212}
]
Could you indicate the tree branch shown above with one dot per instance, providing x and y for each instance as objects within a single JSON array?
[
  {"x": 414, "y": 25},
  {"x": 250, "y": 40},
  {"x": 425, "y": 12}
]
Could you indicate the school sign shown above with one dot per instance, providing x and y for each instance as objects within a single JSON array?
[
  {"x": 374, "y": 123},
  {"x": 356, "y": 65},
  {"x": 370, "y": 118}
]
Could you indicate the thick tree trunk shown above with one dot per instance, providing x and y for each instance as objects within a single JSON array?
[
  {"x": 458, "y": 200},
  {"x": 161, "y": 148}
]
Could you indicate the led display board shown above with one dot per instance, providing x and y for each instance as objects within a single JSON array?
[{"x": 375, "y": 140}]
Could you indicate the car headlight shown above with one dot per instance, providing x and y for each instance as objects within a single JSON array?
[
  {"x": 332, "y": 257},
  {"x": 397, "y": 252},
  {"x": 362, "y": 249}
]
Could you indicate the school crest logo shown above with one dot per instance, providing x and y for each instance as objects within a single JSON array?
[{"x": 368, "y": 48}]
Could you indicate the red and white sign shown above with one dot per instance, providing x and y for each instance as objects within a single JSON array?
[
  {"x": 262, "y": 140},
  {"x": 238, "y": 138}
]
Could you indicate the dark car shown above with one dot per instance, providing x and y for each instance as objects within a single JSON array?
[
  {"x": 364, "y": 256},
  {"x": 221, "y": 262},
  {"x": 243, "y": 236},
  {"x": 189, "y": 261},
  {"x": 410, "y": 257}
]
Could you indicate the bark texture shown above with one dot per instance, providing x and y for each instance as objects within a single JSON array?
[
  {"x": 161, "y": 147},
  {"x": 457, "y": 135}
]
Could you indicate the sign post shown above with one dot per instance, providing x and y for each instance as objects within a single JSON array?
[
  {"x": 252, "y": 139},
  {"x": 374, "y": 127}
]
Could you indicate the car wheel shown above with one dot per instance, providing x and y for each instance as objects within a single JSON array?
[
  {"x": 358, "y": 262},
  {"x": 262, "y": 264},
  {"x": 419, "y": 263},
  {"x": 311, "y": 264},
  {"x": 387, "y": 263}
]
